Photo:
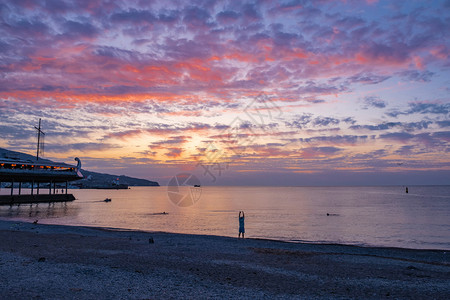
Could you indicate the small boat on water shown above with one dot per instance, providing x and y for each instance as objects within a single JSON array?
[{"x": 107, "y": 200}]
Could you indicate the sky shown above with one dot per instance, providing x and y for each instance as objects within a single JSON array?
[{"x": 286, "y": 93}]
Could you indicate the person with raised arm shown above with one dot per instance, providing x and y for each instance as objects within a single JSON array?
[{"x": 241, "y": 224}]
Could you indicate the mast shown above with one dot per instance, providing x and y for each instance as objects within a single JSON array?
[{"x": 39, "y": 138}]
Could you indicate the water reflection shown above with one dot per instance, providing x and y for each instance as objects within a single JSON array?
[
  {"x": 39, "y": 211},
  {"x": 382, "y": 216}
]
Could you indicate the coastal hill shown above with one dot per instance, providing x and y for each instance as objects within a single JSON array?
[
  {"x": 94, "y": 179},
  {"x": 90, "y": 180}
]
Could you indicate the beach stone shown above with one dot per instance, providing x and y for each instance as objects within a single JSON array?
[
  {"x": 151, "y": 241},
  {"x": 41, "y": 259}
]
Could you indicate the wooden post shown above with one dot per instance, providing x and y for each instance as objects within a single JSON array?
[
  {"x": 32, "y": 187},
  {"x": 54, "y": 187},
  {"x": 12, "y": 187},
  {"x": 37, "y": 189},
  {"x": 50, "y": 188},
  {"x": 20, "y": 187},
  {"x": 66, "y": 187}
]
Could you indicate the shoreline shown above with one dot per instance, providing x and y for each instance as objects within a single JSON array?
[
  {"x": 119, "y": 229},
  {"x": 64, "y": 262}
]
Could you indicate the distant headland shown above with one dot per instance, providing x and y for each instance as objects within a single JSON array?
[{"x": 91, "y": 179}]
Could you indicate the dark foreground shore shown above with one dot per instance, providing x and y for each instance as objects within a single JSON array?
[{"x": 63, "y": 262}]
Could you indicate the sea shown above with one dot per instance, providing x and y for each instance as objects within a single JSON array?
[{"x": 384, "y": 216}]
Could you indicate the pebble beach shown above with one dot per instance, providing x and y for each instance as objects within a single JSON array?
[{"x": 66, "y": 262}]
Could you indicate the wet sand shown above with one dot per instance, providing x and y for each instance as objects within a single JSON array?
[{"x": 64, "y": 262}]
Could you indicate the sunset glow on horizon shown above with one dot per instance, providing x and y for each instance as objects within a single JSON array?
[{"x": 238, "y": 93}]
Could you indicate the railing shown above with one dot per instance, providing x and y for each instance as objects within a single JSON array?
[{"x": 6, "y": 166}]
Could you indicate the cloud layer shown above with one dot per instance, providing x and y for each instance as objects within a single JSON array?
[{"x": 285, "y": 86}]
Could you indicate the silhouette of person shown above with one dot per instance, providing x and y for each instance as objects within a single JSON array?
[{"x": 241, "y": 224}]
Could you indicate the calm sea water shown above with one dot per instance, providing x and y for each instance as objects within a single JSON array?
[{"x": 373, "y": 216}]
